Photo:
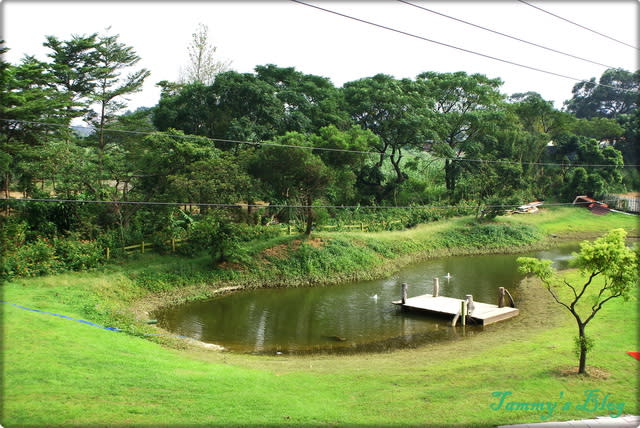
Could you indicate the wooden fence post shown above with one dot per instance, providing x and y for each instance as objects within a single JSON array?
[
  {"x": 108, "y": 250},
  {"x": 142, "y": 247},
  {"x": 173, "y": 245},
  {"x": 501, "y": 297},
  {"x": 436, "y": 287}
]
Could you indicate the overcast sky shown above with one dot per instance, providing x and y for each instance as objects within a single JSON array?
[{"x": 314, "y": 42}]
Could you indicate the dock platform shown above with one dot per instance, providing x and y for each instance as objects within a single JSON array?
[{"x": 482, "y": 313}]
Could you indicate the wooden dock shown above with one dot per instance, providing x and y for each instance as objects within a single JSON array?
[
  {"x": 477, "y": 312},
  {"x": 482, "y": 313}
]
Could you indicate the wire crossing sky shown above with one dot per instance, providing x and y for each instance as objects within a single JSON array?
[
  {"x": 506, "y": 61},
  {"x": 505, "y": 35},
  {"x": 575, "y": 23},
  {"x": 283, "y": 33}
]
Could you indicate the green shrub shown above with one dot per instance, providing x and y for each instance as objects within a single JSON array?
[
  {"x": 46, "y": 256},
  {"x": 77, "y": 254}
]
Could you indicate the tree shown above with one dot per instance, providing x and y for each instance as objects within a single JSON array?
[
  {"x": 347, "y": 165},
  {"x": 310, "y": 102},
  {"x": 593, "y": 181},
  {"x": 616, "y": 94},
  {"x": 203, "y": 66},
  {"x": 29, "y": 100},
  {"x": 609, "y": 270},
  {"x": 293, "y": 174},
  {"x": 73, "y": 67},
  {"x": 465, "y": 107},
  {"x": 112, "y": 57},
  {"x": 397, "y": 111}
]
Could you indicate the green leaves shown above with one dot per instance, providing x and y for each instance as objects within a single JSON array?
[
  {"x": 610, "y": 257},
  {"x": 540, "y": 268}
]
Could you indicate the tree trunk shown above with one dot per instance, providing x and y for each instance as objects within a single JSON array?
[
  {"x": 309, "y": 211},
  {"x": 449, "y": 176},
  {"x": 582, "y": 367}
]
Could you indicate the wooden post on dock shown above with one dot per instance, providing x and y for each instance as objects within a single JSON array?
[
  {"x": 501, "y": 297},
  {"x": 469, "y": 299},
  {"x": 436, "y": 287},
  {"x": 404, "y": 292},
  {"x": 463, "y": 311}
]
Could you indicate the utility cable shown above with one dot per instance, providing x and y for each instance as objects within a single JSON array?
[
  {"x": 395, "y": 30},
  {"x": 579, "y": 25},
  {"x": 292, "y": 146},
  {"x": 505, "y": 35}
]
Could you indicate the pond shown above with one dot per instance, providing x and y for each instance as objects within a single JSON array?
[{"x": 348, "y": 318}]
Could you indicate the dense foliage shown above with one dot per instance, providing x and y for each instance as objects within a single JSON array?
[{"x": 278, "y": 146}]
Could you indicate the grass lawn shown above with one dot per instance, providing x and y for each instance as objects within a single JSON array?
[{"x": 57, "y": 372}]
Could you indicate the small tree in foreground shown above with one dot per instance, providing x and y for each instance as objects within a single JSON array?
[{"x": 608, "y": 258}]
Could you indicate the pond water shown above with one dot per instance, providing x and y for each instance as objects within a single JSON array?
[{"x": 352, "y": 317}]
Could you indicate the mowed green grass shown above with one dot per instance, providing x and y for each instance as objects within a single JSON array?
[
  {"x": 59, "y": 372},
  {"x": 575, "y": 222}
]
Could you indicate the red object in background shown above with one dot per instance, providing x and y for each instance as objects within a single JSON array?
[{"x": 635, "y": 355}]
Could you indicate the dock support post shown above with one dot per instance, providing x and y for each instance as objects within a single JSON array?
[
  {"x": 436, "y": 287},
  {"x": 463, "y": 311},
  {"x": 404, "y": 292},
  {"x": 501, "y": 297}
]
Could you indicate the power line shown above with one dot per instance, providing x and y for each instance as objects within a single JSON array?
[
  {"x": 505, "y": 35},
  {"x": 579, "y": 25},
  {"x": 292, "y": 146},
  {"x": 346, "y": 207},
  {"x": 395, "y": 30}
]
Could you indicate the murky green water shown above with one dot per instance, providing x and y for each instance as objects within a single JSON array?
[{"x": 353, "y": 317}]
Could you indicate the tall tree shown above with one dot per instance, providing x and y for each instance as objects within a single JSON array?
[
  {"x": 293, "y": 175},
  {"x": 73, "y": 68},
  {"x": 616, "y": 94},
  {"x": 310, "y": 102},
  {"x": 203, "y": 65},
  {"x": 608, "y": 267},
  {"x": 397, "y": 111},
  {"x": 112, "y": 59},
  {"x": 29, "y": 102},
  {"x": 466, "y": 106}
]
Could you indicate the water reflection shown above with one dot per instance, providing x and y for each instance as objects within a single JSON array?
[{"x": 347, "y": 318}]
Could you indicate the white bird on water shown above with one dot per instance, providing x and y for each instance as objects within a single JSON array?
[
  {"x": 448, "y": 275},
  {"x": 374, "y": 297}
]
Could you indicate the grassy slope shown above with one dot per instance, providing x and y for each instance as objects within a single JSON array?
[{"x": 57, "y": 372}]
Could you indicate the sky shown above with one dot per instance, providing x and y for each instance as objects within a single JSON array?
[{"x": 289, "y": 34}]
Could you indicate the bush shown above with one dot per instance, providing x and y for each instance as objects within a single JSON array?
[
  {"x": 49, "y": 256},
  {"x": 78, "y": 255}
]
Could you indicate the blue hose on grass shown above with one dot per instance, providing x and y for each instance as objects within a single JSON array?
[
  {"x": 62, "y": 316},
  {"x": 87, "y": 322}
]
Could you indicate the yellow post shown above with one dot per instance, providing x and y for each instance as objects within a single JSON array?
[
  {"x": 142, "y": 247},
  {"x": 108, "y": 253},
  {"x": 173, "y": 245}
]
